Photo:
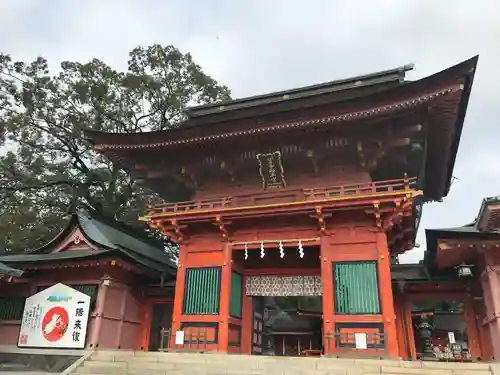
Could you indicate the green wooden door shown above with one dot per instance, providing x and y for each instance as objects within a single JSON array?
[{"x": 356, "y": 288}]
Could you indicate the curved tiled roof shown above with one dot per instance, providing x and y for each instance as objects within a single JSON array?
[
  {"x": 447, "y": 92},
  {"x": 111, "y": 238},
  {"x": 9, "y": 271}
]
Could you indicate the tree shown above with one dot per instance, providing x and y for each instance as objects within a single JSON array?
[{"x": 49, "y": 169}]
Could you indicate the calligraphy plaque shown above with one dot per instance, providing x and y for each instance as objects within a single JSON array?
[
  {"x": 271, "y": 170},
  {"x": 56, "y": 317}
]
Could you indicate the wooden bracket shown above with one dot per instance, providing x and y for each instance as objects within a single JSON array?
[
  {"x": 395, "y": 217},
  {"x": 314, "y": 160},
  {"x": 177, "y": 230},
  {"x": 384, "y": 148},
  {"x": 189, "y": 176},
  {"x": 222, "y": 225},
  {"x": 230, "y": 169},
  {"x": 320, "y": 216},
  {"x": 153, "y": 224},
  {"x": 376, "y": 212},
  {"x": 173, "y": 229},
  {"x": 372, "y": 163},
  {"x": 401, "y": 235},
  {"x": 361, "y": 154},
  {"x": 408, "y": 244}
]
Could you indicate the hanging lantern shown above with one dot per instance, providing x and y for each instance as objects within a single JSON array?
[
  {"x": 301, "y": 249},
  {"x": 282, "y": 251},
  {"x": 246, "y": 251},
  {"x": 262, "y": 253},
  {"x": 464, "y": 270}
]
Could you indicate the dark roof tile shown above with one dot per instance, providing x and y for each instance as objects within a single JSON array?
[{"x": 9, "y": 271}]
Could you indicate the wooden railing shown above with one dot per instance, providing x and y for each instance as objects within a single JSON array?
[
  {"x": 198, "y": 340},
  {"x": 194, "y": 339},
  {"x": 388, "y": 186},
  {"x": 338, "y": 343},
  {"x": 286, "y": 196},
  {"x": 201, "y": 205}
]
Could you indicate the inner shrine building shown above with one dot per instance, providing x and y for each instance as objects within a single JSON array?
[{"x": 291, "y": 207}]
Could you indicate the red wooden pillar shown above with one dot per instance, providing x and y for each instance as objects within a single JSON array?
[
  {"x": 386, "y": 296},
  {"x": 399, "y": 302},
  {"x": 411, "y": 332},
  {"x": 490, "y": 282},
  {"x": 328, "y": 296},
  {"x": 472, "y": 328},
  {"x": 95, "y": 327},
  {"x": 484, "y": 336},
  {"x": 143, "y": 335},
  {"x": 246, "y": 322},
  {"x": 225, "y": 295},
  {"x": 179, "y": 290}
]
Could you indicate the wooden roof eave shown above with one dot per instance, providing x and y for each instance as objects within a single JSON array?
[
  {"x": 466, "y": 233},
  {"x": 468, "y": 70},
  {"x": 6, "y": 270},
  {"x": 21, "y": 260},
  {"x": 73, "y": 223},
  {"x": 114, "y": 149},
  {"x": 60, "y": 237},
  {"x": 100, "y": 258},
  {"x": 488, "y": 206},
  {"x": 414, "y": 88},
  {"x": 348, "y": 85}
]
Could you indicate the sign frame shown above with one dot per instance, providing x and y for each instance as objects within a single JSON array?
[{"x": 56, "y": 317}]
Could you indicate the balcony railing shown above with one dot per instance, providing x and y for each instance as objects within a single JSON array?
[
  {"x": 280, "y": 196},
  {"x": 202, "y": 340}
]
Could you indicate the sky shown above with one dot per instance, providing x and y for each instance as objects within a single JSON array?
[{"x": 258, "y": 46}]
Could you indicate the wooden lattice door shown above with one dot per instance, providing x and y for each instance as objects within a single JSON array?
[{"x": 257, "y": 324}]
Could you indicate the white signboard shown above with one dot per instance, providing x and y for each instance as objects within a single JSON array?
[
  {"x": 451, "y": 337},
  {"x": 360, "y": 339},
  {"x": 179, "y": 338},
  {"x": 56, "y": 317}
]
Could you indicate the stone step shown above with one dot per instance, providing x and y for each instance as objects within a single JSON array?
[
  {"x": 434, "y": 370},
  {"x": 156, "y": 363},
  {"x": 223, "y": 358},
  {"x": 164, "y": 369},
  {"x": 101, "y": 370},
  {"x": 447, "y": 365},
  {"x": 113, "y": 364}
]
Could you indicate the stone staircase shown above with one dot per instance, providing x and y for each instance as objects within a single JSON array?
[{"x": 154, "y": 363}]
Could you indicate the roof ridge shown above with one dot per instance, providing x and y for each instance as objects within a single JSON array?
[
  {"x": 123, "y": 227},
  {"x": 400, "y": 71}
]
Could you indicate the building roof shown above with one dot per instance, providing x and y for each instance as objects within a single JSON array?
[
  {"x": 420, "y": 273},
  {"x": 468, "y": 231},
  {"x": 382, "y": 78},
  {"x": 376, "y": 96},
  {"x": 9, "y": 271},
  {"x": 110, "y": 238},
  {"x": 488, "y": 218}
]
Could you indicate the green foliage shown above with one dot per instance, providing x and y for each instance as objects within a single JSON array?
[{"x": 49, "y": 169}]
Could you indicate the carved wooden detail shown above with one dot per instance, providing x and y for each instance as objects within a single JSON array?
[
  {"x": 321, "y": 216},
  {"x": 223, "y": 227}
]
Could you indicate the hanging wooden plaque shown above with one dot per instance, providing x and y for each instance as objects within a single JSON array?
[{"x": 271, "y": 170}]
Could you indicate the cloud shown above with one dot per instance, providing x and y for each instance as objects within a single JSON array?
[{"x": 259, "y": 46}]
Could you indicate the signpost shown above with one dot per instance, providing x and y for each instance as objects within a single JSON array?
[
  {"x": 360, "y": 340},
  {"x": 56, "y": 317}
]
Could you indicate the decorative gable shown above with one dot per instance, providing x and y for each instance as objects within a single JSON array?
[{"x": 75, "y": 240}]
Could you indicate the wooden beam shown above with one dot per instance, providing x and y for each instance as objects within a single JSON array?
[
  {"x": 384, "y": 148},
  {"x": 321, "y": 216},
  {"x": 222, "y": 225},
  {"x": 361, "y": 154},
  {"x": 171, "y": 228},
  {"x": 314, "y": 160}
]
